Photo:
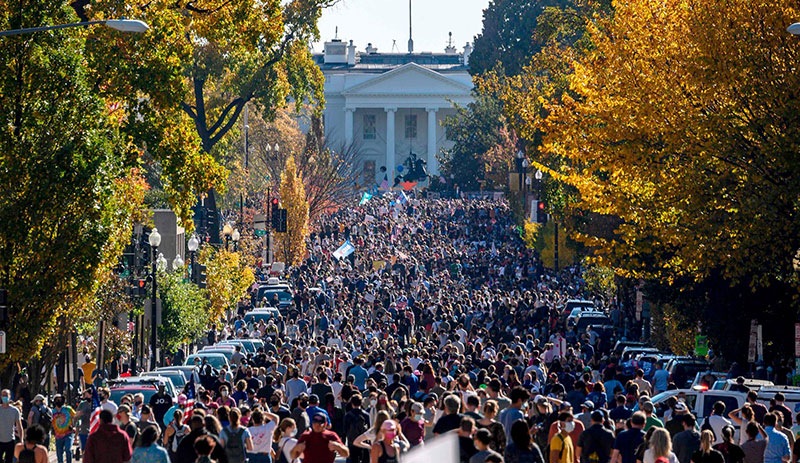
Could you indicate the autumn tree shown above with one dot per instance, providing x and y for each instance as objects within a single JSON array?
[
  {"x": 185, "y": 311},
  {"x": 292, "y": 244},
  {"x": 71, "y": 185},
  {"x": 183, "y": 85},
  {"x": 228, "y": 279}
]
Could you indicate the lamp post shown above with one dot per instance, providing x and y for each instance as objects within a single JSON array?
[
  {"x": 227, "y": 231},
  {"x": 193, "y": 245},
  {"x": 177, "y": 262},
  {"x": 155, "y": 241},
  {"x": 235, "y": 236},
  {"x": 122, "y": 25}
]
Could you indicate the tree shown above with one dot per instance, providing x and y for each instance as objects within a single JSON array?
[
  {"x": 183, "y": 84},
  {"x": 688, "y": 136},
  {"x": 475, "y": 131},
  {"x": 509, "y": 35},
  {"x": 185, "y": 311},
  {"x": 293, "y": 198},
  {"x": 71, "y": 187},
  {"x": 228, "y": 279}
]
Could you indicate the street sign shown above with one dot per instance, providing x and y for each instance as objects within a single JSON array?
[
  {"x": 259, "y": 222},
  {"x": 701, "y": 345},
  {"x": 260, "y": 232},
  {"x": 2, "y": 342}
]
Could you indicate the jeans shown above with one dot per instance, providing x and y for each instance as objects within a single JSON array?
[
  {"x": 7, "y": 451},
  {"x": 258, "y": 458},
  {"x": 83, "y": 438},
  {"x": 64, "y": 445}
]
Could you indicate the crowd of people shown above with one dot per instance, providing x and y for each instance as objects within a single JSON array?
[{"x": 441, "y": 322}]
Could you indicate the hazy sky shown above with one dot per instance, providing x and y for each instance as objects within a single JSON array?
[{"x": 380, "y": 21}]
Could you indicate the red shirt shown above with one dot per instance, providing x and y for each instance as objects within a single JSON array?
[
  {"x": 317, "y": 446},
  {"x": 109, "y": 444}
]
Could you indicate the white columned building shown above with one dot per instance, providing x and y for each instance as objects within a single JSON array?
[{"x": 386, "y": 106}]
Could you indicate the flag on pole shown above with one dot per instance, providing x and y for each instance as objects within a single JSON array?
[
  {"x": 94, "y": 421},
  {"x": 344, "y": 250},
  {"x": 385, "y": 183},
  {"x": 402, "y": 198},
  {"x": 364, "y": 198},
  {"x": 191, "y": 393}
]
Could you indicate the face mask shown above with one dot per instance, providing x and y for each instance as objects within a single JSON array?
[
  {"x": 568, "y": 426},
  {"x": 390, "y": 435},
  {"x": 224, "y": 393},
  {"x": 293, "y": 432},
  {"x": 6, "y": 399},
  {"x": 373, "y": 402},
  {"x": 137, "y": 403},
  {"x": 304, "y": 403}
]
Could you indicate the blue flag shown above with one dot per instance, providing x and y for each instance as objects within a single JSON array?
[
  {"x": 344, "y": 250},
  {"x": 364, "y": 198}
]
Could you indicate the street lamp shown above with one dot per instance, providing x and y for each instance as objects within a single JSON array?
[
  {"x": 235, "y": 236},
  {"x": 122, "y": 25},
  {"x": 794, "y": 29},
  {"x": 227, "y": 231},
  {"x": 155, "y": 241},
  {"x": 193, "y": 245},
  {"x": 177, "y": 263}
]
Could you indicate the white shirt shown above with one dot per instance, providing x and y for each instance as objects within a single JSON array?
[
  {"x": 262, "y": 437},
  {"x": 287, "y": 444}
]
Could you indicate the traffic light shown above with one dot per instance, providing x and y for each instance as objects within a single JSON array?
[
  {"x": 201, "y": 276},
  {"x": 282, "y": 221},
  {"x": 541, "y": 212},
  {"x": 275, "y": 210}
]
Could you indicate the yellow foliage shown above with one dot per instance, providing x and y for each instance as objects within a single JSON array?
[
  {"x": 292, "y": 244},
  {"x": 682, "y": 121},
  {"x": 546, "y": 245},
  {"x": 228, "y": 279}
]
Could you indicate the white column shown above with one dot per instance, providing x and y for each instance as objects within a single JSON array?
[
  {"x": 348, "y": 126},
  {"x": 390, "y": 161},
  {"x": 433, "y": 164}
]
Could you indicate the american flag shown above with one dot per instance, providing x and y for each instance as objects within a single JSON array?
[
  {"x": 94, "y": 421},
  {"x": 190, "y": 392}
]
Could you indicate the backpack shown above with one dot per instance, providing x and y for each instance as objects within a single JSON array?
[
  {"x": 234, "y": 448},
  {"x": 357, "y": 426},
  {"x": 26, "y": 455},
  {"x": 45, "y": 418}
]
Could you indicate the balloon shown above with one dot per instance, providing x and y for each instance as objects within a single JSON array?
[{"x": 400, "y": 168}]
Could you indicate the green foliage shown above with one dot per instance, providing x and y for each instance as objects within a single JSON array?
[
  {"x": 69, "y": 188},
  {"x": 474, "y": 130},
  {"x": 185, "y": 310},
  {"x": 671, "y": 329},
  {"x": 181, "y": 86},
  {"x": 509, "y": 35}
]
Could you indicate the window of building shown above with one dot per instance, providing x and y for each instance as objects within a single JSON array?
[
  {"x": 370, "y": 132},
  {"x": 411, "y": 126},
  {"x": 368, "y": 173}
]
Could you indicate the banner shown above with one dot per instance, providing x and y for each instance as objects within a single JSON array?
[
  {"x": 344, "y": 250},
  {"x": 751, "y": 350},
  {"x": 378, "y": 264},
  {"x": 440, "y": 449}
]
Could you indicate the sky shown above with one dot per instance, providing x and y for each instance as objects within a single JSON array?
[{"x": 380, "y": 21}]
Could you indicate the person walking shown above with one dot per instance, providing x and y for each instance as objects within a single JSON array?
[
  {"x": 728, "y": 448},
  {"x": 596, "y": 442},
  {"x": 319, "y": 445},
  {"x": 706, "y": 453},
  {"x": 10, "y": 427},
  {"x": 31, "y": 450},
  {"x": 628, "y": 441},
  {"x": 108, "y": 444},
  {"x": 148, "y": 451},
  {"x": 778, "y": 450},
  {"x": 63, "y": 428},
  {"x": 356, "y": 423},
  {"x": 236, "y": 439},
  {"x": 686, "y": 442},
  {"x": 659, "y": 448}
]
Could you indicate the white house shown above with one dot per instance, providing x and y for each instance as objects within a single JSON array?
[{"x": 388, "y": 105}]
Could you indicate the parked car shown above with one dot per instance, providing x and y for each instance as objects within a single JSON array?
[
  {"x": 622, "y": 344},
  {"x": 285, "y": 297},
  {"x": 249, "y": 345},
  {"x": 147, "y": 385},
  {"x": 682, "y": 370},
  {"x": 264, "y": 314},
  {"x": 177, "y": 377},
  {"x": 581, "y": 310},
  {"x": 590, "y": 318},
  {"x": 216, "y": 360}
]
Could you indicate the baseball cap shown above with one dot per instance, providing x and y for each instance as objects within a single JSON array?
[
  {"x": 417, "y": 407},
  {"x": 589, "y": 404},
  {"x": 319, "y": 418}
]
